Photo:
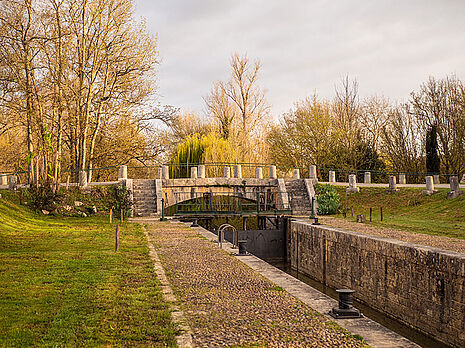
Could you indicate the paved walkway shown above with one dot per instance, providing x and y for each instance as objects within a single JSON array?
[{"x": 228, "y": 304}]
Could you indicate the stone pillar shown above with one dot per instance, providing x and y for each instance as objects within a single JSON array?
[
  {"x": 392, "y": 184},
  {"x": 82, "y": 178},
  {"x": 295, "y": 174},
  {"x": 159, "y": 173},
  {"x": 429, "y": 186},
  {"x": 165, "y": 172},
  {"x": 201, "y": 171},
  {"x": 454, "y": 188},
  {"x": 402, "y": 179},
  {"x": 273, "y": 172},
  {"x": 238, "y": 171},
  {"x": 352, "y": 184},
  {"x": 12, "y": 182},
  {"x": 227, "y": 172},
  {"x": 3, "y": 180},
  {"x": 123, "y": 172},
  {"x": 259, "y": 172},
  {"x": 436, "y": 179},
  {"x": 193, "y": 172},
  {"x": 367, "y": 178},
  {"x": 332, "y": 176},
  {"x": 312, "y": 174}
]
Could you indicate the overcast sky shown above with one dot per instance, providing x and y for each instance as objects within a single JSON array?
[{"x": 389, "y": 46}]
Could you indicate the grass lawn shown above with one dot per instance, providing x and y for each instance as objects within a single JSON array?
[
  {"x": 409, "y": 210},
  {"x": 62, "y": 284}
]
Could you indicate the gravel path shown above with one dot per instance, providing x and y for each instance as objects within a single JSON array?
[
  {"x": 440, "y": 242},
  {"x": 229, "y": 304}
]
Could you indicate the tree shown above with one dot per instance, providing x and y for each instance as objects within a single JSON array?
[{"x": 432, "y": 158}]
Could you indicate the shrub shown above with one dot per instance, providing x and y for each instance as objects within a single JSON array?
[
  {"x": 119, "y": 199},
  {"x": 42, "y": 198},
  {"x": 327, "y": 199}
]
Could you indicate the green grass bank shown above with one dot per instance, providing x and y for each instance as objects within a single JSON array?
[
  {"x": 62, "y": 283},
  {"x": 409, "y": 210}
]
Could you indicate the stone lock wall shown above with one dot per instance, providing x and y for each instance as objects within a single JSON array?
[{"x": 423, "y": 287}]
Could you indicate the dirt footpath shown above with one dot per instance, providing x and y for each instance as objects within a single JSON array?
[{"x": 229, "y": 304}]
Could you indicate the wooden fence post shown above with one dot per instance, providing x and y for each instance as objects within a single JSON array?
[{"x": 117, "y": 238}]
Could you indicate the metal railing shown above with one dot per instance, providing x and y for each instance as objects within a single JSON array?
[{"x": 233, "y": 203}]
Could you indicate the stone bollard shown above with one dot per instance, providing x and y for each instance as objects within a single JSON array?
[
  {"x": 165, "y": 172},
  {"x": 367, "y": 178},
  {"x": 402, "y": 179},
  {"x": 259, "y": 173},
  {"x": 227, "y": 172},
  {"x": 295, "y": 174},
  {"x": 82, "y": 178},
  {"x": 454, "y": 188},
  {"x": 201, "y": 171},
  {"x": 332, "y": 176},
  {"x": 312, "y": 174},
  {"x": 429, "y": 186},
  {"x": 436, "y": 179},
  {"x": 159, "y": 173},
  {"x": 273, "y": 172},
  {"x": 3, "y": 180},
  {"x": 392, "y": 184},
  {"x": 123, "y": 172},
  {"x": 352, "y": 184},
  {"x": 12, "y": 182},
  {"x": 193, "y": 172},
  {"x": 238, "y": 171}
]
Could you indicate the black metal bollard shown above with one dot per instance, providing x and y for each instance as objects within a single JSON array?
[{"x": 345, "y": 310}]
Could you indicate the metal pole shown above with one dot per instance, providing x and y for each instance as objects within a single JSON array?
[{"x": 163, "y": 210}]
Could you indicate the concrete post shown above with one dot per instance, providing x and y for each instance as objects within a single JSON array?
[
  {"x": 312, "y": 174},
  {"x": 436, "y": 179},
  {"x": 238, "y": 171},
  {"x": 201, "y": 171},
  {"x": 352, "y": 184},
  {"x": 123, "y": 172},
  {"x": 3, "y": 180},
  {"x": 273, "y": 172},
  {"x": 259, "y": 172},
  {"x": 332, "y": 176},
  {"x": 392, "y": 184},
  {"x": 227, "y": 172},
  {"x": 193, "y": 172},
  {"x": 429, "y": 186},
  {"x": 295, "y": 174},
  {"x": 165, "y": 172},
  {"x": 402, "y": 179},
  {"x": 82, "y": 178},
  {"x": 159, "y": 173},
  {"x": 367, "y": 178},
  {"x": 12, "y": 182},
  {"x": 454, "y": 188}
]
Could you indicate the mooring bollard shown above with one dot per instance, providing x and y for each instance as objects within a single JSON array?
[
  {"x": 117, "y": 238},
  {"x": 220, "y": 238},
  {"x": 242, "y": 247},
  {"x": 195, "y": 223},
  {"x": 345, "y": 310},
  {"x": 163, "y": 211}
]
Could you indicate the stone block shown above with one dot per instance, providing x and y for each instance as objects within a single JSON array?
[
  {"x": 332, "y": 176},
  {"x": 352, "y": 184},
  {"x": 367, "y": 178},
  {"x": 12, "y": 182},
  {"x": 402, "y": 179},
  {"x": 123, "y": 172},
  {"x": 201, "y": 171},
  {"x": 392, "y": 184},
  {"x": 238, "y": 171},
  {"x": 454, "y": 188},
  {"x": 159, "y": 173},
  {"x": 227, "y": 172},
  {"x": 259, "y": 173},
  {"x": 194, "y": 172},
  {"x": 312, "y": 173},
  {"x": 295, "y": 174},
  {"x": 361, "y": 218},
  {"x": 3, "y": 180},
  {"x": 273, "y": 172},
  {"x": 429, "y": 186},
  {"x": 82, "y": 178},
  {"x": 436, "y": 179},
  {"x": 165, "y": 172}
]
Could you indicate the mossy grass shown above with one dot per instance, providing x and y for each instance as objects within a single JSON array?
[
  {"x": 409, "y": 210},
  {"x": 63, "y": 284}
]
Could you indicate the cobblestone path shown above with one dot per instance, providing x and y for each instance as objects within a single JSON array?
[{"x": 229, "y": 304}]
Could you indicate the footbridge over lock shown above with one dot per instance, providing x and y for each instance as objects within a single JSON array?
[{"x": 221, "y": 196}]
